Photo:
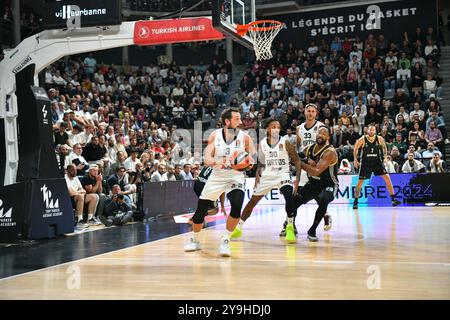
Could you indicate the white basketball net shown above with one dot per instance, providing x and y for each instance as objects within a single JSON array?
[{"x": 262, "y": 39}]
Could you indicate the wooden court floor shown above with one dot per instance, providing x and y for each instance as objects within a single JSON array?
[{"x": 376, "y": 253}]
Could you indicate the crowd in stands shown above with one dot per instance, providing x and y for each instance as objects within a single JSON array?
[
  {"x": 115, "y": 128},
  {"x": 394, "y": 85}
]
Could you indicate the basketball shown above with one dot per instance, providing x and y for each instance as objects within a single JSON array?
[{"x": 242, "y": 161}]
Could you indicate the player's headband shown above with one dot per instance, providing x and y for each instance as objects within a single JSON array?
[{"x": 312, "y": 105}]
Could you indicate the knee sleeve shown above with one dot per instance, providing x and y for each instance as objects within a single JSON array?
[
  {"x": 289, "y": 200},
  {"x": 323, "y": 200},
  {"x": 202, "y": 211},
  {"x": 236, "y": 198}
]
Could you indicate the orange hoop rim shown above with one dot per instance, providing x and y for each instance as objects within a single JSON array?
[{"x": 242, "y": 29}]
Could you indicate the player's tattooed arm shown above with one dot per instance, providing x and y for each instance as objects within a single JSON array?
[
  {"x": 294, "y": 158},
  {"x": 358, "y": 145},
  {"x": 329, "y": 157},
  {"x": 384, "y": 146},
  {"x": 299, "y": 138}
]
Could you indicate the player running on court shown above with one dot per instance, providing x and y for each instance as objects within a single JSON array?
[
  {"x": 274, "y": 156},
  {"x": 224, "y": 146}
]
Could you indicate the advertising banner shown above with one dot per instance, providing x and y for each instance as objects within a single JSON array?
[
  {"x": 390, "y": 18},
  {"x": 175, "y": 31},
  {"x": 81, "y": 13}
]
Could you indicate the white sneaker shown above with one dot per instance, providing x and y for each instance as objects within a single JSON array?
[
  {"x": 224, "y": 249},
  {"x": 192, "y": 245}
]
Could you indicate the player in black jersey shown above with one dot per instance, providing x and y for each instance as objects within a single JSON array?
[
  {"x": 322, "y": 174},
  {"x": 373, "y": 156}
]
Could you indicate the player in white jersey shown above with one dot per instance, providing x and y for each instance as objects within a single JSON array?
[
  {"x": 306, "y": 136},
  {"x": 274, "y": 157},
  {"x": 220, "y": 154}
]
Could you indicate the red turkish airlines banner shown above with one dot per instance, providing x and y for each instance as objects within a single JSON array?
[{"x": 175, "y": 30}]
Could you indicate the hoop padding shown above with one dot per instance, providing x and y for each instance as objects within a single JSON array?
[{"x": 262, "y": 33}]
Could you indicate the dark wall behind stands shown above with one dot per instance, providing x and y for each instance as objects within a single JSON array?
[
  {"x": 143, "y": 56},
  {"x": 391, "y": 19}
]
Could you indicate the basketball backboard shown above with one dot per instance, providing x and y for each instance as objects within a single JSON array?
[{"x": 228, "y": 13}]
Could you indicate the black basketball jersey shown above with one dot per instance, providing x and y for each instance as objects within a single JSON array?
[
  {"x": 204, "y": 174},
  {"x": 327, "y": 177},
  {"x": 372, "y": 153}
]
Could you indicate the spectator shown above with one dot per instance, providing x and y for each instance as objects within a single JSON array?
[
  {"x": 121, "y": 178},
  {"x": 429, "y": 86},
  {"x": 417, "y": 110},
  {"x": 93, "y": 184},
  {"x": 390, "y": 165},
  {"x": 79, "y": 197},
  {"x": 400, "y": 143},
  {"x": 159, "y": 175},
  {"x": 437, "y": 165},
  {"x": 118, "y": 208},
  {"x": 433, "y": 134},
  {"x": 131, "y": 161},
  {"x": 412, "y": 165},
  {"x": 61, "y": 136},
  {"x": 94, "y": 153},
  {"x": 431, "y": 151},
  {"x": 186, "y": 173},
  {"x": 404, "y": 79},
  {"x": 412, "y": 150},
  {"x": 78, "y": 160}
]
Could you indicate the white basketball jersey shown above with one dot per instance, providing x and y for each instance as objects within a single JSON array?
[
  {"x": 308, "y": 136},
  {"x": 276, "y": 159},
  {"x": 223, "y": 152}
]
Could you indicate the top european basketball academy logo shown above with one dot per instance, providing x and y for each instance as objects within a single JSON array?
[
  {"x": 51, "y": 205},
  {"x": 6, "y": 216}
]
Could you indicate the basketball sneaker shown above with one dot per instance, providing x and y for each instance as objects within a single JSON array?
[
  {"x": 396, "y": 202},
  {"x": 355, "y": 204},
  {"x": 192, "y": 245},
  {"x": 328, "y": 222},
  {"x": 283, "y": 231},
  {"x": 237, "y": 233},
  {"x": 224, "y": 249},
  {"x": 81, "y": 225},
  {"x": 290, "y": 233},
  {"x": 312, "y": 238},
  {"x": 107, "y": 222}
]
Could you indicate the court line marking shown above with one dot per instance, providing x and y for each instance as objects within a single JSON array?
[
  {"x": 184, "y": 234},
  {"x": 95, "y": 256}
]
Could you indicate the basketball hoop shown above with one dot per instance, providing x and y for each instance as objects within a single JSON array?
[{"x": 262, "y": 33}]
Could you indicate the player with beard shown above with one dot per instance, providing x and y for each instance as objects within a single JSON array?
[
  {"x": 225, "y": 147},
  {"x": 373, "y": 154},
  {"x": 306, "y": 136},
  {"x": 322, "y": 174}
]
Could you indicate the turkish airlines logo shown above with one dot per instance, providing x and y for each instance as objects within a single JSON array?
[{"x": 144, "y": 32}]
